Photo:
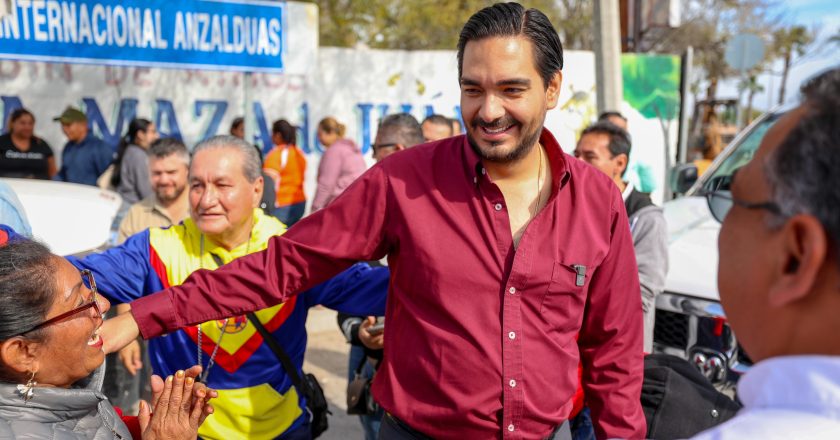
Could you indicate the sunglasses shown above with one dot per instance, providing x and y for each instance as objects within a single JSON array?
[
  {"x": 379, "y": 147},
  {"x": 721, "y": 201},
  {"x": 90, "y": 283}
]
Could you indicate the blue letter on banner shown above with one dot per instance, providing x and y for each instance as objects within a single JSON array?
[{"x": 200, "y": 34}]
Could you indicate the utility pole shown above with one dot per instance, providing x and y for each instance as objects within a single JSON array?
[
  {"x": 608, "y": 84},
  {"x": 248, "y": 106}
]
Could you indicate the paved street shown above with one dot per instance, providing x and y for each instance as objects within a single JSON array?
[{"x": 326, "y": 358}]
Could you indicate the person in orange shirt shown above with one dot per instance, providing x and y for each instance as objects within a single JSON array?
[{"x": 286, "y": 165}]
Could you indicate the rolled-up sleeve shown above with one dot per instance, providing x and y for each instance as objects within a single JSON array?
[{"x": 611, "y": 337}]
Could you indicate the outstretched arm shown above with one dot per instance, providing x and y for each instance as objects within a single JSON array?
[{"x": 317, "y": 248}]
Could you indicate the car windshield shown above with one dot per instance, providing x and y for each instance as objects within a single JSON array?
[{"x": 742, "y": 153}]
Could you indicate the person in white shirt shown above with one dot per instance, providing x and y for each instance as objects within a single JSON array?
[{"x": 779, "y": 273}]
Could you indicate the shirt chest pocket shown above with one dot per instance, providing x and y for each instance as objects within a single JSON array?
[{"x": 564, "y": 300}]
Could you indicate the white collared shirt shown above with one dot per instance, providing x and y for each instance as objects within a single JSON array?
[
  {"x": 790, "y": 397},
  {"x": 628, "y": 189}
]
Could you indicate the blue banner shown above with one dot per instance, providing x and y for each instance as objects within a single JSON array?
[{"x": 196, "y": 34}]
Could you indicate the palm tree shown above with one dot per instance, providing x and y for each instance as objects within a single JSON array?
[
  {"x": 835, "y": 38},
  {"x": 752, "y": 87},
  {"x": 788, "y": 42}
]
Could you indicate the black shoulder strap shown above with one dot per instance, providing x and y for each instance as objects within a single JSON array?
[{"x": 281, "y": 355}]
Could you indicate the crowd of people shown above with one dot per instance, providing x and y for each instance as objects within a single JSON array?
[
  {"x": 186, "y": 210},
  {"x": 518, "y": 283}
]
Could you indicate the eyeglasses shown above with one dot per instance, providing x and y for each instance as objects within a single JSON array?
[
  {"x": 90, "y": 283},
  {"x": 721, "y": 201},
  {"x": 378, "y": 147}
]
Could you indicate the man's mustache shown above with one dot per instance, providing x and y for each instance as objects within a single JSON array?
[{"x": 503, "y": 122}]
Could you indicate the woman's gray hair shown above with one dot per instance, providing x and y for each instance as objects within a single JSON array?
[
  {"x": 804, "y": 170},
  {"x": 251, "y": 164}
]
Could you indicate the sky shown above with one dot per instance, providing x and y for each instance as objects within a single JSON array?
[{"x": 824, "y": 14}]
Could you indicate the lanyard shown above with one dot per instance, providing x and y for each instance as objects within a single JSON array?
[{"x": 212, "y": 361}]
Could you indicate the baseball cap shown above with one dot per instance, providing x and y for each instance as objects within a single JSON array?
[{"x": 71, "y": 114}]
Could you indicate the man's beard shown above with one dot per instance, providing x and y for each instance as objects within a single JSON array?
[
  {"x": 527, "y": 140},
  {"x": 162, "y": 196}
]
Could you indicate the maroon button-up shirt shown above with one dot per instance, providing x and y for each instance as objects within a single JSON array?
[{"x": 480, "y": 337}]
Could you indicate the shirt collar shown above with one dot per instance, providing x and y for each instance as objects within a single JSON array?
[
  {"x": 804, "y": 382},
  {"x": 560, "y": 170},
  {"x": 627, "y": 191},
  {"x": 87, "y": 139},
  {"x": 264, "y": 228},
  {"x": 151, "y": 204}
]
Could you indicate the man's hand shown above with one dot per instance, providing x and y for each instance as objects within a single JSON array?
[
  {"x": 131, "y": 356},
  {"x": 118, "y": 332},
  {"x": 374, "y": 342}
]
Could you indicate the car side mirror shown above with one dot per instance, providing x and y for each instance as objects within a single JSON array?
[
  {"x": 683, "y": 176},
  {"x": 720, "y": 183}
]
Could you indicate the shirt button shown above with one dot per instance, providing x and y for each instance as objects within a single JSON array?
[
  {"x": 475, "y": 179},
  {"x": 498, "y": 206},
  {"x": 512, "y": 335},
  {"x": 512, "y": 290},
  {"x": 512, "y": 383},
  {"x": 510, "y": 427},
  {"x": 483, "y": 171}
]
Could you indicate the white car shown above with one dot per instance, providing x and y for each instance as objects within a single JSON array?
[
  {"x": 71, "y": 219},
  {"x": 690, "y": 321}
]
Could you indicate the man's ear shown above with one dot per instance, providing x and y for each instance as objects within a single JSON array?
[
  {"x": 552, "y": 92},
  {"x": 802, "y": 257},
  {"x": 399, "y": 147},
  {"x": 259, "y": 187},
  {"x": 19, "y": 355},
  {"x": 621, "y": 162}
]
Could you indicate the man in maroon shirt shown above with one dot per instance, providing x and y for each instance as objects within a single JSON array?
[{"x": 502, "y": 250}]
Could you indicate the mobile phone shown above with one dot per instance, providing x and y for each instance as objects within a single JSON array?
[{"x": 378, "y": 327}]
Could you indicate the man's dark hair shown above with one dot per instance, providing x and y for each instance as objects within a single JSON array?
[
  {"x": 165, "y": 147},
  {"x": 511, "y": 20},
  {"x": 619, "y": 139},
  {"x": 285, "y": 130},
  {"x": 803, "y": 170},
  {"x": 609, "y": 114},
  {"x": 237, "y": 121},
  {"x": 402, "y": 128},
  {"x": 27, "y": 291}
]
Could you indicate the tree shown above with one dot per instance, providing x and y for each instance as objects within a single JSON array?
[
  {"x": 573, "y": 20},
  {"x": 707, "y": 25},
  {"x": 835, "y": 38},
  {"x": 788, "y": 42},
  {"x": 433, "y": 25},
  {"x": 752, "y": 86}
]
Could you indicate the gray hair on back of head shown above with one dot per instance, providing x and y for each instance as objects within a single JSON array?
[
  {"x": 403, "y": 127},
  {"x": 802, "y": 171},
  {"x": 251, "y": 164}
]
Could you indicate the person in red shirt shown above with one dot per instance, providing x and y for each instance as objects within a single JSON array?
[{"x": 502, "y": 250}]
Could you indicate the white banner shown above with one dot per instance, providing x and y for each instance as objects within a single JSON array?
[{"x": 357, "y": 87}]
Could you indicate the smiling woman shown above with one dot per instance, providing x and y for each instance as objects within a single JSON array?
[{"x": 51, "y": 357}]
